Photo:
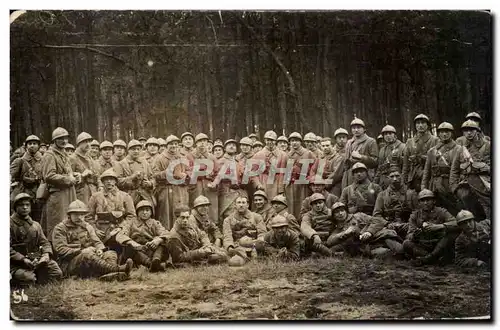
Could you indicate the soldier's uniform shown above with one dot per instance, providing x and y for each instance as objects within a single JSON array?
[
  {"x": 293, "y": 223},
  {"x": 242, "y": 159},
  {"x": 26, "y": 171},
  {"x": 286, "y": 246},
  {"x": 150, "y": 158},
  {"x": 81, "y": 162},
  {"x": 102, "y": 163},
  {"x": 267, "y": 212},
  {"x": 474, "y": 248},
  {"x": 335, "y": 165},
  {"x": 311, "y": 137},
  {"x": 183, "y": 150},
  {"x": 119, "y": 143},
  {"x": 360, "y": 197},
  {"x": 238, "y": 226},
  {"x": 389, "y": 154},
  {"x": 205, "y": 223}
]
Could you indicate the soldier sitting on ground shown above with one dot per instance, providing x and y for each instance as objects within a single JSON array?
[
  {"x": 188, "y": 244},
  {"x": 473, "y": 245},
  {"x": 282, "y": 242},
  {"x": 200, "y": 216},
  {"x": 320, "y": 188},
  {"x": 30, "y": 251},
  {"x": 280, "y": 206},
  {"x": 361, "y": 195},
  {"x": 81, "y": 253},
  {"x": 262, "y": 207}
]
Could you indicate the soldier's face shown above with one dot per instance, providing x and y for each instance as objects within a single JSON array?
[
  {"x": 69, "y": 151},
  {"x": 360, "y": 175},
  {"x": 218, "y": 152},
  {"x": 259, "y": 202},
  {"x": 106, "y": 153},
  {"x": 444, "y": 135},
  {"x": 203, "y": 209},
  {"x": 340, "y": 213},
  {"x": 144, "y": 213},
  {"x": 241, "y": 204},
  {"x": 270, "y": 144},
  {"x": 23, "y": 208},
  {"x": 162, "y": 148},
  {"x": 43, "y": 149},
  {"x": 201, "y": 145},
  {"x": 231, "y": 148},
  {"x": 427, "y": 203},
  {"x": 341, "y": 140},
  {"x": 468, "y": 226},
  {"x": 94, "y": 150},
  {"x": 295, "y": 143},
  {"x": 280, "y": 231},
  {"x": 357, "y": 130},
  {"x": 134, "y": 152},
  {"x": 172, "y": 147},
  {"x": 421, "y": 125},
  {"x": 318, "y": 205},
  {"x": 61, "y": 142},
  {"x": 395, "y": 178},
  {"x": 253, "y": 139},
  {"x": 245, "y": 148},
  {"x": 183, "y": 219},
  {"x": 283, "y": 145},
  {"x": 188, "y": 142},
  {"x": 257, "y": 148},
  {"x": 278, "y": 207},
  {"x": 143, "y": 143},
  {"x": 32, "y": 146},
  {"x": 316, "y": 188},
  {"x": 84, "y": 146},
  {"x": 109, "y": 183},
  {"x": 389, "y": 137},
  {"x": 153, "y": 149},
  {"x": 77, "y": 217},
  {"x": 470, "y": 133},
  {"x": 119, "y": 151},
  {"x": 310, "y": 145},
  {"x": 327, "y": 147}
]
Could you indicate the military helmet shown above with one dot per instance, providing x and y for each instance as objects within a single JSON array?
[
  {"x": 69, "y": 146},
  {"x": 339, "y": 131},
  {"x": 464, "y": 215},
  {"x": 171, "y": 138},
  {"x": 230, "y": 141},
  {"x": 338, "y": 205},
  {"x": 261, "y": 193},
  {"x": 142, "y": 138},
  {"x": 316, "y": 197},
  {"x": 77, "y": 206},
  {"x": 380, "y": 137},
  {"x": 120, "y": 143},
  {"x": 253, "y": 135},
  {"x": 162, "y": 142},
  {"x": 152, "y": 140},
  {"x": 279, "y": 221},
  {"x": 109, "y": 173},
  {"x": 388, "y": 129},
  {"x": 94, "y": 143},
  {"x": 218, "y": 144},
  {"x": 425, "y": 193},
  {"x": 318, "y": 138},
  {"x": 59, "y": 133},
  {"x": 470, "y": 124},
  {"x": 32, "y": 138},
  {"x": 310, "y": 137},
  {"x": 359, "y": 165},
  {"x": 357, "y": 121},
  {"x": 421, "y": 117},
  {"x": 445, "y": 126},
  {"x": 187, "y": 134},
  {"x": 83, "y": 136},
  {"x": 201, "y": 200},
  {"x": 257, "y": 143},
  {"x": 200, "y": 137},
  {"x": 295, "y": 135},
  {"x": 246, "y": 141},
  {"x": 143, "y": 203},
  {"x": 473, "y": 115},
  {"x": 271, "y": 135},
  {"x": 282, "y": 138},
  {"x": 134, "y": 143},
  {"x": 106, "y": 144},
  {"x": 279, "y": 199},
  {"x": 20, "y": 197}
]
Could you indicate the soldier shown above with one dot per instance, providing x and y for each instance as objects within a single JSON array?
[
  {"x": 311, "y": 145},
  {"x": 30, "y": 251},
  {"x": 473, "y": 244},
  {"x": 390, "y": 154},
  {"x": 437, "y": 168},
  {"x": 187, "y": 140},
  {"x": 335, "y": 163},
  {"x": 475, "y": 117},
  {"x": 81, "y": 253},
  {"x": 261, "y": 206},
  {"x": 253, "y": 137},
  {"x": 283, "y": 143},
  {"x": 200, "y": 216},
  {"x": 218, "y": 150},
  {"x": 85, "y": 168},
  {"x": 361, "y": 148},
  {"x": 143, "y": 141},
  {"x": 317, "y": 225},
  {"x": 135, "y": 176},
  {"x": 188, "y": 244},
  {"x": 106, "y": 160},
  {"x": 296, "y": 192},
  {"x": 94, "y": 149},
  {"x": 282, "y": 242},
  {"x": 70, "y": 149},
  {"x": 362, "y": 234},
  {"x": 210, "y": 145},
  {"x": 430, "y": 231},
  {"x": 242, "y": 158},
  {"x": 396, "y": 203},
  {"x": 168, "y": 194},
  {"x": 470, "y": 172},
  {"x": 318, "y": 144},
  {"x": 152, "y": 146},
  {"x": 415, "y": 153},
  {"x": 60, "y": 181},
  {"x": 43, "y": 147},
  {"x": 163, "y": 145},
  {"x": 273, "y": 157},
  {"x": 362, "y": 194},
  {"x": 280, "y": 205},
  {"x": 381, "y": 141},
  {"x": 119, "y": 150},
  {"x": 243, "y": 231},
  {"x": 257, "y": 146},
  {"x": 319, "y": 188},
  {"x": 144, "y": 239}
]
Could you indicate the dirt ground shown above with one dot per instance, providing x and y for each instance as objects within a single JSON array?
[{"x": 313, "y": 289}]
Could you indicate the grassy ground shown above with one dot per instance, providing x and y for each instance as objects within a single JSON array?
[{"x": 311, "y": 289}]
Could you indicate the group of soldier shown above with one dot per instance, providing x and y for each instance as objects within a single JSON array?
[{"x": 99, "y": 209}]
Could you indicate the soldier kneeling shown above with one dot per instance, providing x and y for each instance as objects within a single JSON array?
[
  {"x": 189, "y": 244},
  {"x": 81, "y": 253},
  {"x": 282, "y": 242},
  {"x": 473, "y": 245}
]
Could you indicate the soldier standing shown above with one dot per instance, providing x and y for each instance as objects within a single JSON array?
[
  {"x": 242, "y": 158},
  {"x": 151, "y": 153},
  {"x": 200, "y": 216},
  {"x": 106, "y": 160},
  {"x": 415, "y": 153},
  {"x": 218, "y": 150},
  {"x": 70, "y": 149},
  {"x": 362, "y": 194},
  {"x": 253, "y": 137},
  {"x": 187, "y": 140},
  {"x": 311, "y": 144},
  {"x": 43, "y": 147},
  {"x": 475, "y": 117},
  {"x": 390, "y": 154},
  {"x": 282, "y": 243},
  {"x": 163, "y": 145},
  {"x": 261, "y": 206},
  {"x": 257, "y": 146},
  {"x": 283, "y": 143},
  {"x": 473, "y": 244},
  {"x": 119, "y": 150},
  {"x": 84, "y": 167},
  {"x": 93, "y": 152},
  {"x": 335, "y": 166}
]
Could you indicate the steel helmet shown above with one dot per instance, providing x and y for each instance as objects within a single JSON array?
[
  {"x": 388, "y": 129},
  {"x": 271, "y": 135},
  {"x": 20, "y": 197},
  {"x": 253, "y": 135},
  {"x": 261, "y": 193},
  {"x": 162, "y": 142},
  {"x": 357, "y": 121},
  {"x": 280, "y": 199},
  {"x": 310, "y": 137},
  {"x": 134, "y": 143},
  {"x": 120, "y": 143},
  {"x": 358, "y": 166},
  {"x": 59, "y": 133},
  {"x": 464, "y": 215},
  {"x": 109, "y": 173},
  {"x": 421, "y": 117},
  {"x": 94, "y": 143},
  {"x": 200, "y": 137},
  {"x": 69, "y": 146},
  {"x": 380, "y": 137},
  {"x": 172, "y": 138},
  {"x": 230, "y": 141},
  {"x": 257, "y": 143},
  {"x": 473, "y": 115},
  {"x": 316, "y": 197},
  {"x": 425, "y": 193},
  {"x": 187, "y": 134},
  {"x": 32, "y": 138},
  {"x": 77, "y": 206},
  {"x": 338, "y": 205},
  {"x": 152, "y": 140},
  {"x": 83, "y": 136},
  {"x": 218, "y": 144},
  {"x": 339, "y": 131},
  {"x": 282, "y": 138},
  {"x": 142, "y": 138},
  {"x": 143, "y": 203},
  {"x": 201, "y": 200},
  {"x": 295, "y": 135},
  {"x": 279, "y": 221},
  {"x": 445, "y": 126},
  {"x": 318, "y": 138},
  {"x": 246, "y": 141},
  {"x": 105, "y": 144},
  {"x": 470, "y": 124}
]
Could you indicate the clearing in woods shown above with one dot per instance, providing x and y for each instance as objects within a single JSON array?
[{"x": 348, "y": 288}]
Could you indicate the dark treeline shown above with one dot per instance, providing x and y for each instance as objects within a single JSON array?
[{"x": 124, "y": 74}]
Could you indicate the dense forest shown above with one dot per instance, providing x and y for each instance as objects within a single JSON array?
[{"x": 125, "y": 74}]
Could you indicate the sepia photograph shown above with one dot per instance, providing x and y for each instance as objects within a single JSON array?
[{"x": 250, "y": 165}]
